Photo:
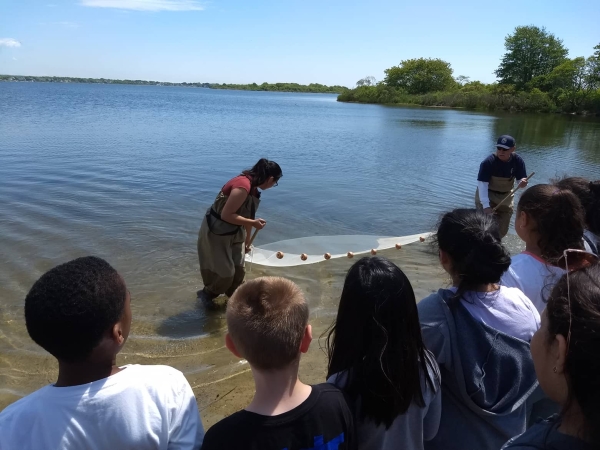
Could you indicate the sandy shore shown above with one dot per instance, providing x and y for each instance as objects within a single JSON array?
[{"x": 179, "y": 333}]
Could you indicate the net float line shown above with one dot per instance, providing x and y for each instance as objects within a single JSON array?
[{"x": 314, "y": 249}]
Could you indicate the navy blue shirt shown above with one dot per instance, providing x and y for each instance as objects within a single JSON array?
[
  {"x": 323, "y": 421},
  {"x": 544, "y": 435},
  {"x": 492, "y": 166}
]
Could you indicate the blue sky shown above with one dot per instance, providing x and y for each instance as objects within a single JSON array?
[{"x": 233, "y": 41}]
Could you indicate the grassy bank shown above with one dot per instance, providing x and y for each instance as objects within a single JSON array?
[{"x": 479, "y": 97}]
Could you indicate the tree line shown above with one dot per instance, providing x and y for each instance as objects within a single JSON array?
[
  {"x": 279, "y": 87},
  {"x": 535, "y": 74}
]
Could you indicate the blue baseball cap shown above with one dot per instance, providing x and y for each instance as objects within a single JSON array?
[{"x": 506, "y": 141}]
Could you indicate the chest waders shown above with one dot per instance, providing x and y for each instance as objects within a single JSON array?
[
  {"x": 498, "y": 189},
  {"x": 221, "y": 249}
]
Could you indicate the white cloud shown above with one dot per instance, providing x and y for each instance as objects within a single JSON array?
[
  {"x": 14, "y": 59},
  {"x": 146, "y": 5},
  {"x": 9, "y": 42}
]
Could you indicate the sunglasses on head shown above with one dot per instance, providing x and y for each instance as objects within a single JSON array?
[{"x": 573, "y": 260}]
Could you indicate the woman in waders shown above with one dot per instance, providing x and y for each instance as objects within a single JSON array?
[
  {"x": 497, "y": 174},
  {"x": 224, "y": 236}
]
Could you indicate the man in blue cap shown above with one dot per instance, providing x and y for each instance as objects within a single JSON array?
[{"x": 497, "y": 175}]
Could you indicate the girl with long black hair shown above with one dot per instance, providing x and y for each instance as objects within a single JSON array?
[{"x": 376, "y": 355}]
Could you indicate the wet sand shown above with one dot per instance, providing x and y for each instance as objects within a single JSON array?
[{"x": 179, "y": 334}]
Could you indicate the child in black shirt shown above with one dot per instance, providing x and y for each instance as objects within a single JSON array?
[{"x": 268, "y": 326}]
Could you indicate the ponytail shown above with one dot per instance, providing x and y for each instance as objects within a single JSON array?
[
  {"x": 558, "y": 217},
  {"x": 588, "y": 193},
  {"x": 262, "y": 171},
  {"x": 472, "y": 240}
]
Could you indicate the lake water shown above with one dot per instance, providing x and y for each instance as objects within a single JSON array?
[{"x": 126, "y": 173}]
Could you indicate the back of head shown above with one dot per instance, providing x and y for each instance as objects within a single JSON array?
[
  {"x": 582, "y": 312},
  {"x": 267, "y": 318},
  {"x": 262, "y": 171},
  {"x": 68, "y": 310},
  {"x": 376, "y": 340},
  {"x": 472, "y": 240},
  {"x": 588, "y": 193},
  {"x": 558, "y": 217}
]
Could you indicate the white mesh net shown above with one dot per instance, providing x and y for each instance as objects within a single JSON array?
[{"x": 314, "y": 248}]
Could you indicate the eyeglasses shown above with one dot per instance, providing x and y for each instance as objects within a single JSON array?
[
  {"x": 581, "y": 260},
  {"x": 502, "y": 149}
]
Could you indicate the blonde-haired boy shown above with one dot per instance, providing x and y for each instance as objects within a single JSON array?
[{"x": 268, "y": 326}]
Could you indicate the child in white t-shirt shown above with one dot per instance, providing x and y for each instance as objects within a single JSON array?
[
  {"x": 549, "y": 220},
  {"x": 80, "y": 312}
]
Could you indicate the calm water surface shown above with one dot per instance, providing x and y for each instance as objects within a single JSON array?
[{"x": 126, "y": 173}]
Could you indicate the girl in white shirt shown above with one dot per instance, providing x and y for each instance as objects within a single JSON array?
[{"x": 549, "y": 220}]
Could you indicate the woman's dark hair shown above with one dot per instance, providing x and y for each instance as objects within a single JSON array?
[
  {"x": 582, "y": 364},
  {"x": 376, "y": 342},
  {"x": 558, "y": 217},
  {"x": 588, "y": 193},
  {"x": 262, "y": 171},
  {"x": 471, "y": 239},
  {"x": 68, "y": 310}
]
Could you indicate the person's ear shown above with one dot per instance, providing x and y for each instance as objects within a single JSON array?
[
  {"x": 444, "y": 258},
  {"x": 117, "y": 333},
  {"x": 306, "y": 339},
  {"x": 524, "y": 219},
  {"x": 231, "y": 346},
  {"x": 559, "y": 353}
]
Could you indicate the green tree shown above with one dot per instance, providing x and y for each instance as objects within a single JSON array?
[
  {"x": 420, "y": 76},
  {"x": 593, "y": 68},
  {"x": 366, "y": 81},
  {"x": 530, "y": 52}
]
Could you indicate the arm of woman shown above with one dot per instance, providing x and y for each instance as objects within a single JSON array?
[{"x": 234, "y": 202}]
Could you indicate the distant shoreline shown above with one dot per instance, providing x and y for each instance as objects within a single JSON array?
[{"x": 314, "y": 88}]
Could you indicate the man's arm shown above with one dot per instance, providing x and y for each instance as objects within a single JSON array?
[{"x": 483, "y": 193}]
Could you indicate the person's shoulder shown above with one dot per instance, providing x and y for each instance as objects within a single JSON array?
[
  {"x": 432, "y": 307},
  {"x": 225, "y": 431},
  {"x": 522, "y": 301},
  {"x": 154, "y": 371},
  {"x": 241, "y": 181},
  {"x": 515, "y": 295},
  {"x": 534, "y": 438},
  {"x": 524, "y": 260},
  {"x": 157, "y": 378},
  {"x": 518, "y": 158},
  {"x": 28, "y": 406},
  {"x": 327, "y": 392},
  {"x": 489, "y": 160}
]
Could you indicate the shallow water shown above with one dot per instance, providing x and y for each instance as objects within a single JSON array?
[{"x": 126, "y": 173}]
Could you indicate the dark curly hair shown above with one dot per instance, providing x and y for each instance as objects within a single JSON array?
[
  {"x": 472, "y": 240},
  {"x": 583, "y": 359},
  {"x": 72, "y": 305},
  {"x": 558, "y": 217}
]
